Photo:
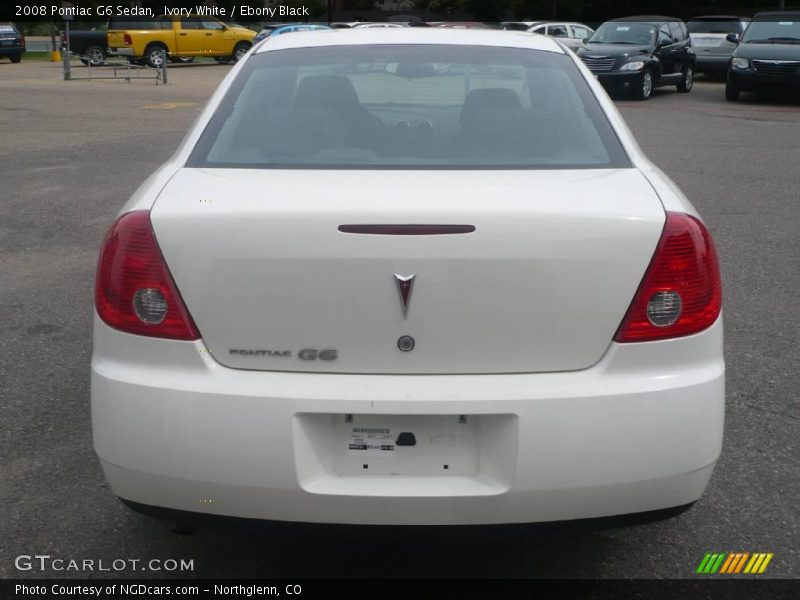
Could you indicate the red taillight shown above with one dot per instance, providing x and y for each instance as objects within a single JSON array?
[
  {"x": 134, "y": 291},
  {"x": 128, "y": 39},
  {"x": 681, "y": 292},
  {"x": 22, "y": 40}
]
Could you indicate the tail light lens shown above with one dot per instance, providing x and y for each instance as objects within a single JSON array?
[
  {"x": 22, "y": 40},
  {"x": 128, "y": 39},
  {"x": 134, "y": 291},
  {"x": 681, "y": 292}
]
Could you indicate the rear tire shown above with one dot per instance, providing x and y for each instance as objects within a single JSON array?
[
  {"x": 731, "y": 90},
  {"x": 153, "y": 55},
  {"x": 95, "y": 56},
  {"x": 685, "y": 86},
  {"x": 15, "y": 59},
  {"x": 645, "y": 88}
]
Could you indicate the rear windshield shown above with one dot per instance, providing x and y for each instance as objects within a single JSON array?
[
  {"x": 409, "y": 107},
  {"x": 703, "y": 26}
]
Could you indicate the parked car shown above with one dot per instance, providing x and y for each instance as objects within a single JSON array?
[
  {"x": 461, "y": 25},
  {"x": 269, "y": 31},
  {"x": 400, "y": 332},
  {"x": 12, "y": 42},
  {"x": 181, "y": 37},
  {"x": 90, "y": 45},
  {"x": 637, "y": 54},
  {"x": 572, "y": 35},
  {"x": 767, "y": 56},
  {"x": 379, "y": 25},
  {"x": 709, "y": 39},
  {"x": 518, "y": 25}
]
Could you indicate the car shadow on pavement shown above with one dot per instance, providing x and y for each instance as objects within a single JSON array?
[{"x": 237, "y": 548}]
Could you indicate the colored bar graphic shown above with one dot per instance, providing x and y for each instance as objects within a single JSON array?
[
  {"x": 735, "y": 557},
  {"x": 735, "y": 563},
  {"x": 718, "y": 563},
  {"x": 703, "y": 563},
  {"x": 740, "y": 564},
  {"x": 727, "y": 564},
  {"x": 765, "y": 563},
  {"x": 754, "y": 562}
]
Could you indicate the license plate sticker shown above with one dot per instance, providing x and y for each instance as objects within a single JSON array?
[{"x": 370, "y": 441}]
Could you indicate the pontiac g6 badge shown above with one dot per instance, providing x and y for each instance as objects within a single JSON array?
[{"x": 405, "y": 284}]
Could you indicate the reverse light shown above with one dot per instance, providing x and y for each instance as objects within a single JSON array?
[
  {"x": 134, "y": 291},
  {"x": 127, "y": 39},
  {"x": 681, "y": 292},
  {"x": 150, "y": 306}
]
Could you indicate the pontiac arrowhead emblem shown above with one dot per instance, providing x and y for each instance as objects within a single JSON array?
[{"x": 405, "y": 284}]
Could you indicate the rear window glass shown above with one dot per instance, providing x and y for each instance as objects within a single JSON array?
[
  {"x": 714, "y": 27},
  {"x": 409, "y": 107}
]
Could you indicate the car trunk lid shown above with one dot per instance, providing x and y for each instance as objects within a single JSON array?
[{"x": 541, "y": 284}]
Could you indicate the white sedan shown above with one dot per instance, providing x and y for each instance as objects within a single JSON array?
[
  {"x": 405, "y": 297},
  {"x": 571, "y": 35}
]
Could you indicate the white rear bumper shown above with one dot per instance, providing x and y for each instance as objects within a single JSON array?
[{"x": 639, "y": 431}]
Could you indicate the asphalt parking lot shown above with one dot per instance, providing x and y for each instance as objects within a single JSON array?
[{"x": 73, "y": 152}]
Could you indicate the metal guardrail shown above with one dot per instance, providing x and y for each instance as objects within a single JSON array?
[{"x": 119, "y": 68}]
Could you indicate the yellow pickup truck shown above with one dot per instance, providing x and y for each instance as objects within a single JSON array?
[{"x": 182, "y": 37}]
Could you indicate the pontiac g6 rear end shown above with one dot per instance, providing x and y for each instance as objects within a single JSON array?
[{"x": 408, "y": 277}]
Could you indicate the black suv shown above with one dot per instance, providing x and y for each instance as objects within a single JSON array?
[
  {"x": 12, "y": 42},
  {"x": 636, "y": 54},
  {"x": 768, "y": 54}
]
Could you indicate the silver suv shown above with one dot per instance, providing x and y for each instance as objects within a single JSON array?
[{"x": 708, "y": 39}]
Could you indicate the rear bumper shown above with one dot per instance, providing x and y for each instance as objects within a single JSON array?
[
  {"x": 710, "y": 62},
  {"x": 122, "y": 51},
  {"x": 639, "y": 431}
]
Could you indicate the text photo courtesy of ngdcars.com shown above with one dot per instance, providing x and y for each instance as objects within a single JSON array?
[{"x": 443, "y": 290}]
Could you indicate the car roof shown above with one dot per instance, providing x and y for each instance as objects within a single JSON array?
[
  {"x": 411, "y": 35},
  {"x": 648, "y": 19},
  {"x": 719, "y": 18}
]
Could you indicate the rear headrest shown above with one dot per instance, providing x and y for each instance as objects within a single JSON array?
[
  {"x": 317, "y": 91},
  {"x": 488, "y": 99}
]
